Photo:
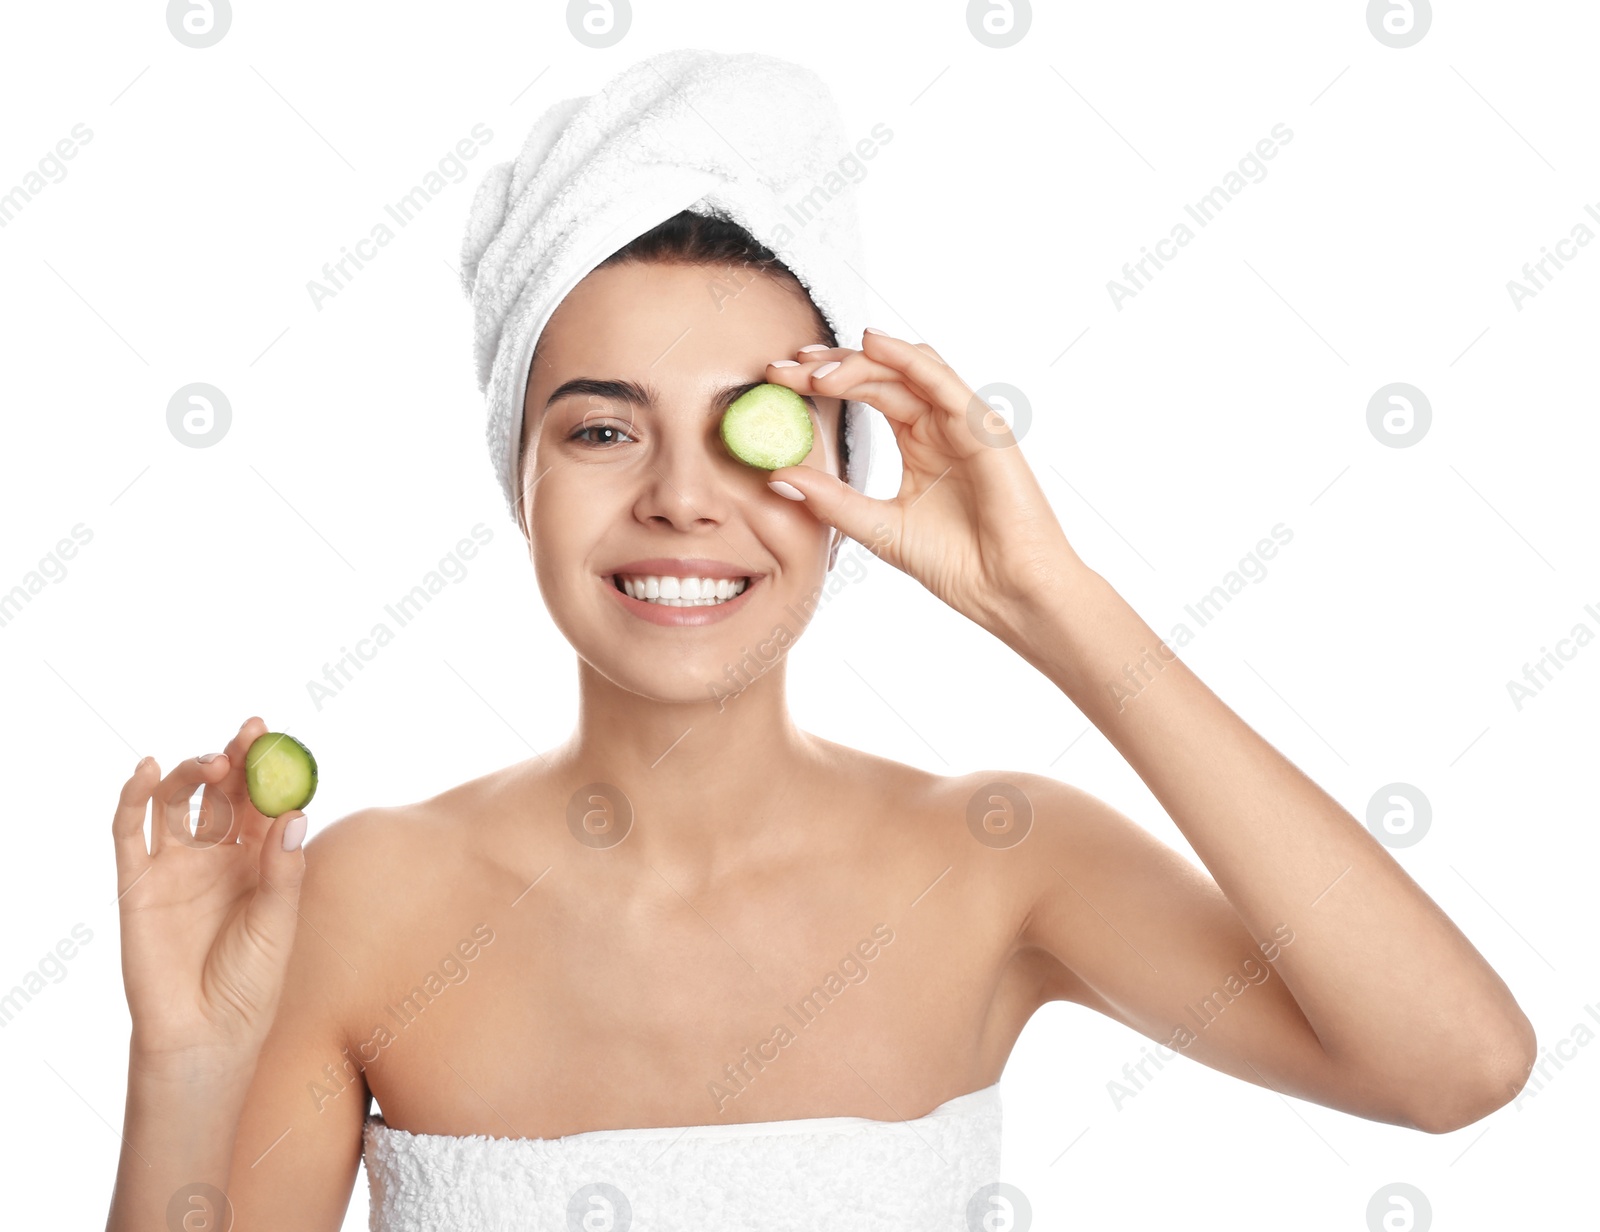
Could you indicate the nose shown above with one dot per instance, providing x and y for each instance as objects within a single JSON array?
[{"x": 688, "y": 483}]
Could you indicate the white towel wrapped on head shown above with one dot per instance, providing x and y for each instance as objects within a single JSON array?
[{"x": 744, "y": 136}]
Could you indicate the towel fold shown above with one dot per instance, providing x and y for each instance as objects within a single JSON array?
[{"x": 743, "y": 136}]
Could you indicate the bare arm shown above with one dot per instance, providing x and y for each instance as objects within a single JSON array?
[
  {"x": 1384, "y": 1007},
  {"x": 208, "y": 924},
  {"x": 271, "y": 1144},
  {"x": 298, "y": 1147},
  {"x": 177, "y": 1135},
  {"x": 1394, "y": 999}
]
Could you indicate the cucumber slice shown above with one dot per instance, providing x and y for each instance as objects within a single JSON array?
[
  {"x": 280, "y": 773},
  {"x": 768, "y": 427}
]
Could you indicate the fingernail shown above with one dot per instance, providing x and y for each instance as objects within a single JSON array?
[
  {"x": 825, "y": 369},
  {"x": 294, "y": 832},
  {"x": 783, "y": 363},
  {"x": 870, "y": 330},
  {"x": 815, "y": 346},
  {"x": 205, "y": 757},
  {"x": 786, "y": 489}
]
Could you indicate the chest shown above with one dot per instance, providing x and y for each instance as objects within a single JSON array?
[{"x": 586, "y": 1006}]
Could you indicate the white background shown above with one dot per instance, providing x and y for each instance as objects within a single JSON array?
[{"x": 1228, "y": 396}]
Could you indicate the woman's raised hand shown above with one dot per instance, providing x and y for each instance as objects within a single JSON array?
[
  {"x": 970, "y": 521},
  {"x": 208, "y": 917}
]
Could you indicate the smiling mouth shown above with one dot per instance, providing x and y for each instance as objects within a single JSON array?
[{"x": 681, "y": 592}]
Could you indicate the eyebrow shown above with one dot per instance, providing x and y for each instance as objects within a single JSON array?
[{"x": 648, "y": 397}]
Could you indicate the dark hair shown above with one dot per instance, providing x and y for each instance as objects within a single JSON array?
[{"x": 688, "y": 238}]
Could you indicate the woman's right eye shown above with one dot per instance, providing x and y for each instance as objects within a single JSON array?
[{"x": 580, "y": 434}]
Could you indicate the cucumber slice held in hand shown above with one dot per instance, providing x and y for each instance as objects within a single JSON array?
[
  {"x": 768, "y": 427},
  {"x": 280, "y": 773}
]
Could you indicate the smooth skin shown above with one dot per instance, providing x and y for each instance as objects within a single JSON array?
[{"x": 557, "y": 986}]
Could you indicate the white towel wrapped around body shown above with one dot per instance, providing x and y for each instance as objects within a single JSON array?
[
  {"x": 939, "y": 1172},
  {"x": 744, "y": 136}
]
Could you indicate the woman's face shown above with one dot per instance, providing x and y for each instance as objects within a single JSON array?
[{"x": 611, "y": 481}]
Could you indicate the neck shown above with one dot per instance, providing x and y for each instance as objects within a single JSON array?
[{"x": 695, "y": 786}]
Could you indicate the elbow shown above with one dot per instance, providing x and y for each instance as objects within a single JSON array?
[{"x": 1495, "y": 1077}]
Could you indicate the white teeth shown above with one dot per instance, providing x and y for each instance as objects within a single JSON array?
[{"x": 683, "y": 592}]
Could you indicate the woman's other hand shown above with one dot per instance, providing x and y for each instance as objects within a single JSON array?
[
  {"x": 208, "y": 917},
  {"x": 970, "y": 521}
]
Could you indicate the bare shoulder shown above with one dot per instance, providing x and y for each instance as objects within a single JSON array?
[
  {"x": 895, "y": 792},
  {"x": 358, "y": 873},
  {"x": 374, "y": 880},
  {"x": 1069, "y": 864},
  {"x": 984, "y": 823},
  {"x": 1048, "y": 821},
  {"x": 373, "y": 874},
  {"x": 1099, "y": 886},
  {"x": 355, "y": 864},
  {"x": 985, "y": 806},
  {"x": 372, "y": 848}
]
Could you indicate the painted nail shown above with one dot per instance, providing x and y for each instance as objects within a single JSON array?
[
  {"x": 815, "y": 346},
  {"x": 825, "y": 369},
  {"x": 783, "y": 363},
  {"x": 205, "y": 757},
  {"x": 870, "y": 330},
  {"x": 293, "y": 832},
  {"x": 786, "y": 489}
]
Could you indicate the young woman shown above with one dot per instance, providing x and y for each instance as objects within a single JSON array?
[{"x": 608, "y": 936}]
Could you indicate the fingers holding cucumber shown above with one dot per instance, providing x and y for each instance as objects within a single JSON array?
[
  {"x": 269, "y": 774},
  {"x": 848, "y": 374},
  {"x": 170, "y": 804},
  {"x": 207, "y": 923},
  {"x": 226, "y": 813},
  {"x": 772, "y": 425}
]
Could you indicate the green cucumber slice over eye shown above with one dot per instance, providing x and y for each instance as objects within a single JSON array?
[
  {"x": 280, "y": 773},
  {"x": 768, "y": 427}
]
